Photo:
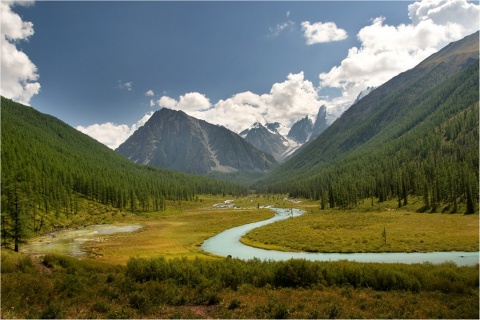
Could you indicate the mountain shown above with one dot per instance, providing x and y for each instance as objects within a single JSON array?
[
  {"x": 267, "y": 140},
  {"x": 416, "y": 135},
  {"x": 173, "y": 140},
  {"x": 301, "y": 130},
  {"x": 320, "y": 123},
  {"x": 50, "y": 169},
  {"x": 274, "y": 127},
  {"x": 363, "y": 94}
]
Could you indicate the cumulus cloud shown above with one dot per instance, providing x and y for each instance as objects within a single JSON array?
[
  {"x": 149, "y": 93},
  {"x": 320, "y": 32},
  {"x": 192, "y": 101},
  {"x": 167, "y": 102},
  {"x": 111, "y": 134},
  {"x": 19, "y": 75},
  {"x": 286, "y": 103},
  {"x": 387, "y": 50}
]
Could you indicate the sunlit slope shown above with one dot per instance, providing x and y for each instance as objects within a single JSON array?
[{"x": 415, "y": 135}]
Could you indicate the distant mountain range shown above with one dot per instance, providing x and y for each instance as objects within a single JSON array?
[
  {"x": 267, "y": 137},
  {"x": 174, "y": 140}
]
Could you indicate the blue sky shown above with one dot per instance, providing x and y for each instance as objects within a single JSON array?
[{"x": 104, "y": 67}]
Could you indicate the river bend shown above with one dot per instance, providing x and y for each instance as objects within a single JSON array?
[{"x": 227, "y": 243}]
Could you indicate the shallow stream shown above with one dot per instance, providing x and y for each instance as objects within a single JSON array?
[{"x": 71, "y": 242}]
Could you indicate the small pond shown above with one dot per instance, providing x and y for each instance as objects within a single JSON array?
[
  {"x": 71, "y": 242},
  {"x": 227, "y": 243}
]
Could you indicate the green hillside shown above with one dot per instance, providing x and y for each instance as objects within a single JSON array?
[
  {"x": 48, "y": 166},
  {"x": 417, "y": 135}
]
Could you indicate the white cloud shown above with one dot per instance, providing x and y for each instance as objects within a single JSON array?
[
  {"x": 286, "y": 103},
  {"x": 167, "y": 102},
  {"x": 18, "y": 74},
  {"x": 113, "y": 135},
  {"x": 320, "y": 32},
  {"x": 149, "y": 93},
  {"x": 192, "y": 101},
  {"x": 125, "y": 85},
  {"x": 444, "y": 12},
  {"x": 386, "y": 50}
]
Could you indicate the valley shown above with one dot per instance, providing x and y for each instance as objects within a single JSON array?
[
  {"x": 184, "y": 231},
  {"x": 395, "y": 177}
]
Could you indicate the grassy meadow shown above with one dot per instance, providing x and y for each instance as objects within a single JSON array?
[
  {"x": 178, "y": 232},
  {"x": 160, "y": 271},
  {"x": 369, "y": 229}
]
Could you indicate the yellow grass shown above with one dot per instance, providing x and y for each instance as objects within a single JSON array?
[{"x": 176, "y": 232}]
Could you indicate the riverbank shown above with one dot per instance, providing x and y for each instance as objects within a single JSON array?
[{"x": 367, "y": 229}]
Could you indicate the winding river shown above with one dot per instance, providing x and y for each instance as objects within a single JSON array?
[{"x": 227, "y": 243}]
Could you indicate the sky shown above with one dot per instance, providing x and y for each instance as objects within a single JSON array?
[{"x": 104, "y": 67}]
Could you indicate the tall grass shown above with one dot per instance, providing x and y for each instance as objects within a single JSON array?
[
  {"x": 63, "y": 287},
  {"x": 231, "y": 273}
]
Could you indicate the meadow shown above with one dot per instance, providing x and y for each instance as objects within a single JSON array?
[
  {"x": 383, "y": 228},
  {"x": 177, "y": 232}
]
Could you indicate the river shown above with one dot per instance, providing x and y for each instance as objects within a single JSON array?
[{"x": 227, "y": 243}]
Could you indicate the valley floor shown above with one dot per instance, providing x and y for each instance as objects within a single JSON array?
[{"x": 171, "y": 277}]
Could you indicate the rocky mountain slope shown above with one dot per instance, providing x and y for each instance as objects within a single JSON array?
[
  {"x": 172, "y": 139},
  {"x": 301, "y": 130},
  {"x": 268, "y": 138}
]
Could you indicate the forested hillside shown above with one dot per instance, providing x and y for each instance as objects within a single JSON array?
[
  {"x": 417, "y": 135},
  {"x": 47, "y": 166}
]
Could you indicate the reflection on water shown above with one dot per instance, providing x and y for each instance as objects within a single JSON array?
[
  {"x": 227, "y": 243},
  {"x": 70, "y": 242}
]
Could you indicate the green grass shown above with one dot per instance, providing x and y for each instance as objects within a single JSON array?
[{"x": 361, "y": 230}]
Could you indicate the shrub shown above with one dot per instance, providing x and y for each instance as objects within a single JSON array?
[
  {"x": 234, "y": 304},
  {"x": 51, "y": 312}
]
